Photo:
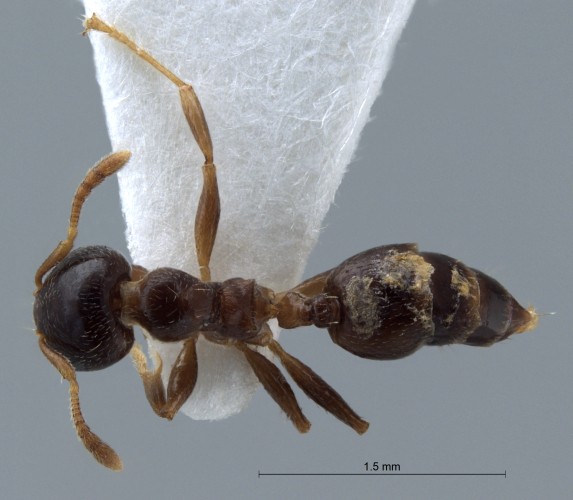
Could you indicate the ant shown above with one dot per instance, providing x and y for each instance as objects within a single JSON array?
[{"x": 384, "y": 303}]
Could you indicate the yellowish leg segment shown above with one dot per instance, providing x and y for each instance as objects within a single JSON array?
[{"x": 208, "y": 210}]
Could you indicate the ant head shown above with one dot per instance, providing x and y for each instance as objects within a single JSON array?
[{"x": 78, "y": 308}]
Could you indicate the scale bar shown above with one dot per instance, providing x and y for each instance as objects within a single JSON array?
[{"x": 504, "y": 474}]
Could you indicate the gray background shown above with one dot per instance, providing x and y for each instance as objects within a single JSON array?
[{"x": 469, "y": 154}]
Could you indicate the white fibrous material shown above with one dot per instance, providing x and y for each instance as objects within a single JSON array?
[{"x": 286, "y": 87}]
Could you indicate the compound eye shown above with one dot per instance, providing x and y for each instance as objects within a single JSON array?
[{"x": 77, "y": 308}]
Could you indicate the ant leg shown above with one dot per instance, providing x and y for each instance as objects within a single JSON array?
[
  {"x": 152, "y": 383},
  {"x": 312, "y": 385},
  {"x": 102, "y": 452},
  {"x": 209, "y": 207},
  {"x": 181, "y": 380},
  {"x": 309, "y": 288},
  {"x": 207, "y": 220},
  {"x": 95, "y": 176},
  {"x": 208, "y": 210},
  {"x": 318, "y": 390},
  {"x": 276, "y": 385}
]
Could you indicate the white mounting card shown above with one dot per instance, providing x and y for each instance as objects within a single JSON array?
[{"x": 286, "y": 87}]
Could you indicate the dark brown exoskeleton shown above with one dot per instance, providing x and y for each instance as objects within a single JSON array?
[{"x": 385, "y": 303}]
